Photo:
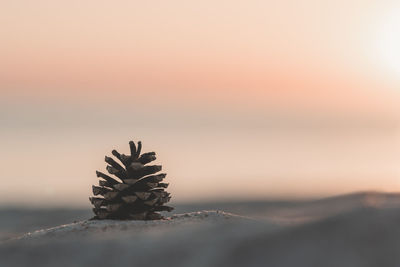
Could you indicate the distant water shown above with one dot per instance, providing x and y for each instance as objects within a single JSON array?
[{"x": 205, "y": 157}]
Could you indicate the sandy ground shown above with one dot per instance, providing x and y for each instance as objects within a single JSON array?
[{"x": 353, "y": 230}]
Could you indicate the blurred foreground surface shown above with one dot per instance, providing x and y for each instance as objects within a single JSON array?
[{"x": 349, "y": 230}]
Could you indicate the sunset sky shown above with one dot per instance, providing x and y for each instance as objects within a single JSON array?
[{"x": 241, "y": 99}]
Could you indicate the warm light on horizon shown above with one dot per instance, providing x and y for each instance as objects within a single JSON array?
[
  {"x": 388, "y": 42},
  {"x": 262, "y": 98}
]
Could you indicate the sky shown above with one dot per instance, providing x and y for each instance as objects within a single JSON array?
[{"x": 240, "y": 99}]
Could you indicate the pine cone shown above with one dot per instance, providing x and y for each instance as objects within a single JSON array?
[{"x": 136, "y": 193}]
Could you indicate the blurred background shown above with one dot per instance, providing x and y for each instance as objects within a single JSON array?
[{"x": 241, "y": 100}]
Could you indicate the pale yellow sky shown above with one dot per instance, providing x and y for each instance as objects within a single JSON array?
[
  {"x": 187, "y": 46},
  {"x": 241, "y": 99}
]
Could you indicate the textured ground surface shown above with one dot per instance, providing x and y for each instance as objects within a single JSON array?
[{"x": 353, "y": 230}]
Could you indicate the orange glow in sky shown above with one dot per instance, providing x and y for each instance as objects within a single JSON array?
[
  {"x": 206, "y": 70},
  {"x": 184, "y": 46}
]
